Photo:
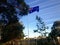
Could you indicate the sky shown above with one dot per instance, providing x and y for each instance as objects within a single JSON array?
[{"x": 49, "y": 11}]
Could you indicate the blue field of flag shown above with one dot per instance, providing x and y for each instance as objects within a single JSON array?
[{"x": 33, "y": 9}]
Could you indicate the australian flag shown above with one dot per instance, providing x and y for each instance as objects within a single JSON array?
[{"x": 33, "y": 9}]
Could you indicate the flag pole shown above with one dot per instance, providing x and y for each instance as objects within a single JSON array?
[{"x": 28, "y": 31}]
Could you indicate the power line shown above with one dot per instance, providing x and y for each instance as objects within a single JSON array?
[{"x": 55, "y": 3}]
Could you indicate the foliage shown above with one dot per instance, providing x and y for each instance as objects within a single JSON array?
[
  {"x": 55, "y": 29},
  {"x": 55, "y": 32},
  {"x": 12, "y": 31},
  {"x": 41, "y": 26},
  {"x": 9, "y": 22}
]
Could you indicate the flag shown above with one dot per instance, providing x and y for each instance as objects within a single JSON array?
[{"x": 33, "y": 9}]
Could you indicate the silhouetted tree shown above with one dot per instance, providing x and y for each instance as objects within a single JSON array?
[
  {"x": 41, "y": 26},
  {"x": 55, "y": 31},
  {"x": 9, "y": 12},
  {"x": 13, "y": 31}
]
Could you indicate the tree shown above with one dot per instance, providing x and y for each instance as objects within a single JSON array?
[
  {"x": 55, "y": 32},
  {"x": 41, "y": 26},
  {"x": 13, "y": 31},
  {"x": 55, "y": 29},
  {"x": 9, "y": 12}
]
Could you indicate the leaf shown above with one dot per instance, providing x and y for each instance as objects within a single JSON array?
[{"x": 35, "y": 30}]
